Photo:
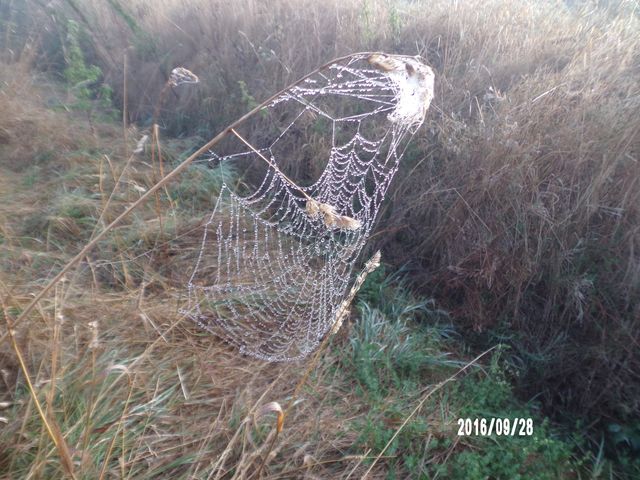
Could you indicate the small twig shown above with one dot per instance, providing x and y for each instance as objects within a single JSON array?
[
  {"x": 120, "y": 424},
  {"x": 473, "y": 211},
  {"x": 155, "y": 147},
  {"x": 124, "y": 103}
]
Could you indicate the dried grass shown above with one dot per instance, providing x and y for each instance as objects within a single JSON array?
[
  {"x": 126, "y": 387},
  {"x": 518, "y": 206}
]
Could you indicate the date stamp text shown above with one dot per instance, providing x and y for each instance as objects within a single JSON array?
[{"x": 485, "y": 427}]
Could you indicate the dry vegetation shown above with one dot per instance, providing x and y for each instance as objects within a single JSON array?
[
  {"x": 134, "y": 390},
  {"x": 517, "y": 209}
]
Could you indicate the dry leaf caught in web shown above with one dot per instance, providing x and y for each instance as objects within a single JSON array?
[
  {"x": 415, "y": 82},
  {"x": 313, "y": 208},
  {"x": 347, "y": 223},
  {"x": 330, "y": 217}
]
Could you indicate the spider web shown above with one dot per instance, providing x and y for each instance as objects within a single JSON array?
[{"x": 276, "y": 259}]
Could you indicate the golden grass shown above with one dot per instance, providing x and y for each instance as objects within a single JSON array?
[{"x": 141, "y": 395}]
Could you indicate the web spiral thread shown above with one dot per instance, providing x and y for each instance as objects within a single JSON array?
[{"x": 276, "y": 260}]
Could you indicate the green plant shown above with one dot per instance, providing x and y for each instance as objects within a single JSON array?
[
  {"x": 623, "y": 443},
  {"x": 105, "y": 96},
  {"x": 367, "y": 23},
  {"x": 539, "y": 456},
  {"x": 82, "y": 78},
  {"x": 389, "y": 351},
  {"x": 246, "y": 98},
  {"x": 395, "y": 347},
  {"x": 393, "y": 296},
  {"x": 395, "y": 22},
  {"x": 200, "y": 185},
  {"x": 379, "y": 426}
]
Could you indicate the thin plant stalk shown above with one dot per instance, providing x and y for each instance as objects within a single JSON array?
[
  {"x": 50, "y": 425},
  {"x": 343, "y": 310}
]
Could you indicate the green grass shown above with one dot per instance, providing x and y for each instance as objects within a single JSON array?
[
  {"x": 200, "y": 185},
  {"x": 540, "y": 456},
  {"x": 398, "y": 346}
]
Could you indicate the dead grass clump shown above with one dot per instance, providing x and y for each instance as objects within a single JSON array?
[
  {"x": 125, "y": 381},
  {"x": 30, "y": 134},
  {"x": 523, "y": 211}
]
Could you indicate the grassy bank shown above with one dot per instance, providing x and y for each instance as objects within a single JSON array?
[
  {"x": 134, "y": 391},
  {"x": 516, "y": 208}
]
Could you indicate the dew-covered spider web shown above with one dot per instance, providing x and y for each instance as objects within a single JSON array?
[{"x": 281, "y": 242}]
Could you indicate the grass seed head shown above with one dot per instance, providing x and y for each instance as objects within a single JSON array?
[
  {"x": 272, "y": 407},
  {"x": 312, "y": 208},
  {"x": 180, "y": 75}
]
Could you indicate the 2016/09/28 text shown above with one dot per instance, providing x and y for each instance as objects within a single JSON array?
[{"x": 495, "y": 426}]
